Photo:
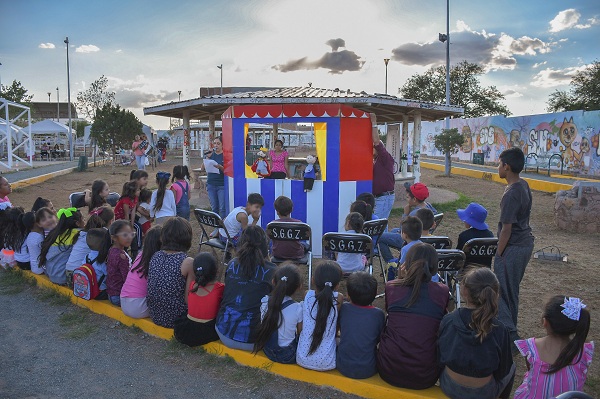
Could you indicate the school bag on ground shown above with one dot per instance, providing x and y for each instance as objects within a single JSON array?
[{"x": 85, "y": 282}]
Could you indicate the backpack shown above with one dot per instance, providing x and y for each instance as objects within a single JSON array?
[{"x": 85, "y": 282}]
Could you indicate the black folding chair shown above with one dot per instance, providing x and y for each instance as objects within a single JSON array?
[
  {"x": 438, "y": 242},
  {"x": 480, "y": 251},
  {"x": 208, "y": 218},
  {"x": 374, "y": 228},
  {"x": 450, "y": 263},
  {"x": 292, "y": 231},
  {"x": 437, "y": 220},
  {"x": 574, "y": 395},
  {"x": 349, "y": 244},
  {"x": 77, "y": 199}
]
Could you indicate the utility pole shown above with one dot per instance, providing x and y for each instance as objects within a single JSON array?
[{"x": 71, "y": 141}]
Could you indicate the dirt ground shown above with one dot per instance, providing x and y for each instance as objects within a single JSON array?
[{"x": 542, "y": 278}]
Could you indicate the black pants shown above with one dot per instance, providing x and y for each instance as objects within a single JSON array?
[{"x": 277, "y": 175}]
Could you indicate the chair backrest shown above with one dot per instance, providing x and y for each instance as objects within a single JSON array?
[
  {"x": 208, "y": 218},
  {"x": 348, "y": 243},
  {"x": 437, "y": 220},
  {"x": 481, "y": 250},
  {"x": 375, "y": 227},
  {"x": 438, "y": 242},
  {"x": 290, "y": 231},
  {"x": 450, "y": 260},
  {"x": 77, "y": 200},
  {"x": 113, "y": 198}
]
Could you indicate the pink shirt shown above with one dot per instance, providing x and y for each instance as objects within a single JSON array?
[
  {"x": 539, "y": 385},
  {"x": 177, "y": 189},
  {"x": 278, "y": 161},
  {"x": 135, "y": 285},
  {"x": 137, "y": 151}
]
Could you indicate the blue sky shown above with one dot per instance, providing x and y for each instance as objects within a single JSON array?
[{"x": 151, "y": 49}]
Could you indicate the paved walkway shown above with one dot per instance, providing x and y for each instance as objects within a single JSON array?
[{"x": 14, "y": 177}]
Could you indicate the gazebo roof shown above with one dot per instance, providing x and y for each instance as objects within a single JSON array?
[{"x": 388, "y": 108}]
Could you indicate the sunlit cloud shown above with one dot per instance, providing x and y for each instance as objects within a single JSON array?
[
  {"x": 47, "y": 45},
  {"x": 87, "y": 48}
]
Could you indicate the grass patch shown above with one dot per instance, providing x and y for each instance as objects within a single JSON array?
[
  {"x": 53, "y": 296},
  {"x": 81, "y": 331},
  {"x": 13, "y": 281},
  {"x": 450, "y": 207},
  {"x": 71, "y": 319}
]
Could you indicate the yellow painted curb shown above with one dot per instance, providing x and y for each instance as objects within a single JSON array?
[
  {"x": 534, "y": 184},
  {"x": 373, "y": 387}
]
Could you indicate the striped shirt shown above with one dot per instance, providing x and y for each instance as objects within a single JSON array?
[{"x": 537, "y": 384}]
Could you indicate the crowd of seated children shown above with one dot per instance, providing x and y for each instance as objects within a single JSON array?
[
  {"x": 285, "y": 249},
  {"x": 204, "y": 295},
  {"x": 237, "y": 220},
  {"x": 281, "y": 317}
]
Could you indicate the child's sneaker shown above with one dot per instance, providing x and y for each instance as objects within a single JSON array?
[{"x": 392, "y": 271}]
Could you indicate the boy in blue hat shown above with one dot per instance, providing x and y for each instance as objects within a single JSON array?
[{"x": 473, "y": 217}]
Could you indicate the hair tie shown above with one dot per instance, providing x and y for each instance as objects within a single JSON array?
[
  {"x": 284, "y": 278},
  {"x": 68, "y": 212},
  {"x": 572, "y": 308},
  {"x": 199, "y": 269},
  {"x": 328, "y": 283},
  {"x": 163, "y": 175}
]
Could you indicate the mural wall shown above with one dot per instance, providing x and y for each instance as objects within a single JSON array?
[{"x": 574, "y": 135}]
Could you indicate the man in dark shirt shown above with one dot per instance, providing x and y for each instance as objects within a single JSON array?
[
  {"x": 383, "y": 175},
  {"x": 515, "y": 241}
]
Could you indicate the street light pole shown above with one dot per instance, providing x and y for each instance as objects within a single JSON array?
[
  {"x": 445, "y": 38},
  {"x": 386, "y": 60},
  {"x": 0, "y": 79},
  {"x": 221, "y": 68},
  {"x": 57, "y": 106},
  {"x": 71, "y": 141}
]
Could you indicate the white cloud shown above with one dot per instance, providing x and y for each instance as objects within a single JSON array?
[
  {"x": 512, "y": 91},
  {"x": 568, "y": 19},
  {"x": 590, "y": 22},
  {"x": 47, "y": 45},
  {"x": 119, "y": 51},
  {"x": 555, "y": 77},
  {"x": 539, "y": 64},
  {"x": 87, "y": 48}
]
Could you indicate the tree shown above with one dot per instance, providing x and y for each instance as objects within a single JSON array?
[
  {"x": 448, "y": 142},
  {"x": 465, "y": 90},
  {"x": 15, "y": 93},
  {"x": 80, "y": 127},
  {"x": 115, "y": 127},
  {"x": 584, "y": 92},
  {"x": 94, "y": 98}
]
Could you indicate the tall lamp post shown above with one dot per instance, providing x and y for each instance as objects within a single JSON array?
[
  {"x": 49, "y": 97},
  {"x": 221, "y": 68},
  {"x": 445, "y": 38},
  {"x": 57, "y": 106},
  {"x": 0, "y": 78},
  {"x": 71, "y": 141},
  {"x": 386, "y": 60}
]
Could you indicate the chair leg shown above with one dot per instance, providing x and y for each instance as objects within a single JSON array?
[
  {"x": 309, "y": 271},
  {"x": 457, "y": 285}
]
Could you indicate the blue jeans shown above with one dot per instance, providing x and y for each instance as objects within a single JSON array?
[
  {"x": 115, "y": 300},
  {"x": 383, "y": 205},
  {"x": 390, "y": 239},
  {"x": 140, "y": 160},
  {"x": 216, "y": 196},
  {"x": 280, "y": 354}
]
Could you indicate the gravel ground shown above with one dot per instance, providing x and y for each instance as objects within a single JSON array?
[{"x": 50, "y": 348}]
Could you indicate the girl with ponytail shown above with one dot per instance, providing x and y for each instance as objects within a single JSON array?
[
  {"x": 474, "y": 346},
  {"x": 203, "y": 298},
  {"x": 281, "y": 317},
  {"x": 320, "y": 309},
  {"x": 39, "y": 224},
  {"x": 162, "y": 202},
  {"x": 567, "y": 356},
  {"x": 407, "y": 356}
]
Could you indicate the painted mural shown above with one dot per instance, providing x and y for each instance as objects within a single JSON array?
[{"x": 574, "y": 135}]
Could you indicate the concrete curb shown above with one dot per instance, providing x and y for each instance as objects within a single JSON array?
[
  {"x": 47, "y": 176},
  {"x": 373, "y": 387}
]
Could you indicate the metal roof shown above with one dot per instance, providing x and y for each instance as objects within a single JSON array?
[{"x": 388, "y": 108}]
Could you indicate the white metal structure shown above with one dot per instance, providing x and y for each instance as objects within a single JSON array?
[{"x": 10, "y": 132}]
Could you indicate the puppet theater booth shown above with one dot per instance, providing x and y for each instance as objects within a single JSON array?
[{"x": 345, "y": 157}]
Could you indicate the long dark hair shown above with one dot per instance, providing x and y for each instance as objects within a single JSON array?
[
  {"x": 482, "y": 288},
  {"x": 563, "y": 326},
  {"x": 96, "y": 200},
  {"x": 14, "y": 227},
  {"x": 287, "y": 280},
  {"x": 162, "y": 179},
  {"x": 252, "y": 250},
  {"x": 152, "y": 244},
  {"x": 40, "y": 203},
  {"x": 129, "y": 189},
  {"x": 100, "y": 218},
  {"x": 60, "y": 233},
  {"x": 363, "y": 208},
  {"x": 180, "y": 172},
  {"x": 205, "y": 270},
  {"x": 326, "y": 277},
  {"x": 421, "y": 263}
]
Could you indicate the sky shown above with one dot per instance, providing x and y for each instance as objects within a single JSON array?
[{"x": 149, "y": 50}]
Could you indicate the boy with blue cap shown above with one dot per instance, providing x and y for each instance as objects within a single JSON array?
[{"x": 473, "y": 217}]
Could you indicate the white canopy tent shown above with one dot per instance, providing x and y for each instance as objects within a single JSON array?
[{"x": 48, "y": 127}]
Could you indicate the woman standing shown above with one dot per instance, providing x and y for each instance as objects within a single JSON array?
[
  {"x": 215, "y": 182},
  {"x": 139, "y": 153},
  {"x": 278, "y": 159}
]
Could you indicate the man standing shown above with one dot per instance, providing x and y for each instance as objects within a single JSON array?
[{"x": 383, "y": 175}]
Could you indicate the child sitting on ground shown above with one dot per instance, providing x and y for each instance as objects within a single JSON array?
[
  {"x": 352, "y": 262},
  {"x": 360, "y": 328},
  {"x": 118, "y": 261},
  {"x": 204, "y": 297},
  {"x": 558, "y": 362},
  {"x": 143, "y": 210},
  {"x": 127, "y": 204},
  {"x": 96, "y": 197},
  {"x": 181, "y": 189},
  {"x": 281, "y": 317},
  {"x": 99, "y": 242},
  {"x": 287, "y": 249},
  {"x": 140, "y": 177},
  {"x": 237, "y": 220},
  {"x": 162, "y": 203},
  {"x": 320, "y": 309},
  {"x": 45, "y": 221},
  {"x": 412, "y": 227},
  {"x": 473, "y": 216},
  {"x": 5, "y": 189}
]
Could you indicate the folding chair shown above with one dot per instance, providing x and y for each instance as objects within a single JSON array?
[
  {"x": 77, "y": 199},
  {"x": 374, "y": 228},
  {"x": 574, "y": 395},
  {"x": 208, "y": 218},
  {"x": 292, "y": 231},
  {"x": 480, "y": 251},
  {"x": 349, "y": 244},
  {"x": 450, "y": 263},
  {"x": 437, "y": 220},
  {"x": 438, "y": 242}
]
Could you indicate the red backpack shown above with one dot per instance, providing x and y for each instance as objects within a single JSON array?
[{"x": 85, "y": 282}]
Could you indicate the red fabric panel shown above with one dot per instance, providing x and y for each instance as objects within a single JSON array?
[
  {"x": 356, "y": 149},
  {"x": 304, "y": 110},
  {"x": 228, "y": 146}
]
